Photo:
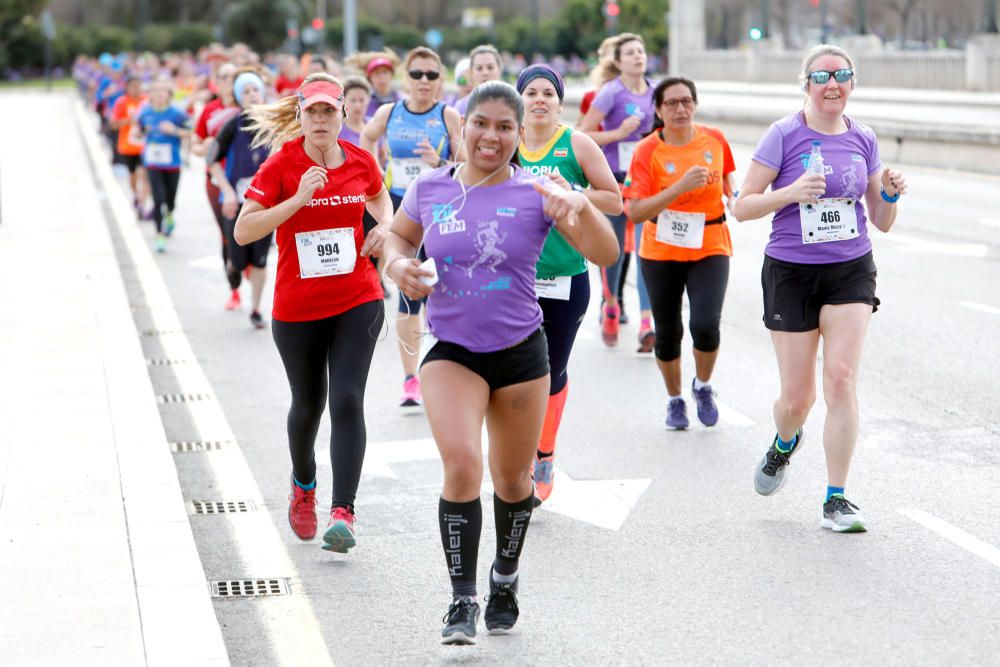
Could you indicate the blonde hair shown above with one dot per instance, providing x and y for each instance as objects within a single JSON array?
[
  {"x": 607, "y": 69},
  {"x": 818, "y": 51},
  {"x": 360, "y": 59},
  {"x": 598, "y": 74},
  {"x": 277, "y": 123},
  {"x": 421, "y": 52}
]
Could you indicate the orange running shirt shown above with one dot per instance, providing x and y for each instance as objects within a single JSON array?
[
  {"x": 658, "y": 165},
  {"x": 126, "y": 107}
]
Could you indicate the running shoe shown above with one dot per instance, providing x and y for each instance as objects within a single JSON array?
[
  {"x": 339, "y": 535},
  {"x": 234, "y": 300},
  {"x": 168, "y": 219},
  {"x": 257, "y": 320},
  {"x": 677, "y": 414},
  {"x": 622, "y": 316},
  {"x": 543, "y": 474},
  {"x": 302, "y": 511},
  {"x": 840, "y": 515},
  {"x": 161, "y": 243},
  {"x": 411, "y": 392},
  {"x": 501, "y": 606},
  {"x": 460, "y": 622},
  {"x": 704, "y": 399},
  {"x": 609, "y": 326},
  {"x": 770, "y": 473},
  {"x": 647, "y": 339}
]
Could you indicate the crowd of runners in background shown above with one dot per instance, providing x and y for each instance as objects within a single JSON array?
[{"x": 487, "y": 212}]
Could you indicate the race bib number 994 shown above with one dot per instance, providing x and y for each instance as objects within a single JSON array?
[{"x": 327, "y": 252}]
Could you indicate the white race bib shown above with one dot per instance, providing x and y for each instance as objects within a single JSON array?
[
  {"x": 626, "y": 149},
  {"x": 242, "y": 186},
  {"x": 159, "y": 154},
  {"x": 327, "y": 252},
  {"x": 829, "y": 220},
  {"x": 553, "y": 288},
  {"x": 684, "y": 230},
  {"x": 405, "y": 170}
]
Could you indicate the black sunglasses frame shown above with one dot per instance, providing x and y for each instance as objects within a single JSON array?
[
  {"x": 812, "y": 76},
  {"x": 417, "y": 74}
]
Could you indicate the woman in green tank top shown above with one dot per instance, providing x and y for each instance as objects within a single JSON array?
[{"x": 572, "y": 160}]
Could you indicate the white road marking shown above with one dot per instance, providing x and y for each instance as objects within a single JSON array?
[
  {"x": 956, "y": 536},
  {"x": 989, "y": 222},
  {"x": 732, "y": 416},
  {"x": 602, "y": 503},
  {"x": 981, "y": 307},
  {"x": 210, "y": 262},
  {"x": 913, "y": 244}
]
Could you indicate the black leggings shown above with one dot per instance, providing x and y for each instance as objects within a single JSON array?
[
  {"x": 163, "y": 183},
  {"x": 334, "y": 352},
  {"x": 561, "y": 320},
  {"x": 706, "y": 281},
  {"x": 233, "y": 276}
]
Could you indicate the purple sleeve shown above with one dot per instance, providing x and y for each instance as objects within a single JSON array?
[
  {"x": 874, "y": 159},
  {"x": 770, "y": 149},
  {"x": 411, "y": 203},
  {"x": 604, "y": 101}
]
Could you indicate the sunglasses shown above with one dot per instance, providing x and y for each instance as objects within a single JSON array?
[
  {"x": 417, "y": 74},
  {"x": 686, "y": 102},
  {"x": 820, "y": 77}
]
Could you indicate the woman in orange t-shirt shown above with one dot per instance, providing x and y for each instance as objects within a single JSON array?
[{"x": 677, "y": 180}]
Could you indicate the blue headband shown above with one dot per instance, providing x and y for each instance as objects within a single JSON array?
[
  {"x": 532, "y": 72},
  {"x": 244, "y": 80}
]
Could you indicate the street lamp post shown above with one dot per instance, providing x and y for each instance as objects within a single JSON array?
[
  {"x": 350, "y": 27},
  {"x": 861, "y": 9},
  {"x": 990, "y": 16}
]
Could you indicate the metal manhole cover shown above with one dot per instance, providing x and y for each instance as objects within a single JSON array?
[
  {"x": 184, "y": 446},
  {"x": 249, "y": 588},
  {"x": 221, "y": 506}
]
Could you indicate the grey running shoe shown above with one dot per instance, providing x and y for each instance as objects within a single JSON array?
[
  {"x": 842, "y": 516},
  {"x": 460, "y": 622},
  {"x": 770, "y": 473},
  {"x": 677, "y": 414},
  {"x": 501, "y": 607}
]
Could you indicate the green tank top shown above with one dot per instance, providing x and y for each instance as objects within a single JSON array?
[{"x": 558, "y": 258}]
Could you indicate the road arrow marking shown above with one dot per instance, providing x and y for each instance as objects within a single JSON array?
[{"x": 602, "y": 503}]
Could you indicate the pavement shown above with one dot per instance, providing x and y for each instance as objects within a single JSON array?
[
  {"x": 108, "y": 355},
  {"x": 99, "y": 562}
]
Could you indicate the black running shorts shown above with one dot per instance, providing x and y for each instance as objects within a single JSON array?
[
  {"x": 794, "y": 293},
  {"x": 526, "y": 361}
]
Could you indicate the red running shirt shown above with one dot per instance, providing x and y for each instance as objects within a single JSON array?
[{"x": 340, "y": 204}]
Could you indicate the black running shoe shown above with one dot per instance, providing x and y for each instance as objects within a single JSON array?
[
  {"x": 460, "y": 622},
  {"x": 501, "y": 606}
]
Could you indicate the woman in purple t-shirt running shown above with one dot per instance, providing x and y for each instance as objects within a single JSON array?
[
  {"x": 483, "y": 223},
  {"x": 819, "y": 275}
]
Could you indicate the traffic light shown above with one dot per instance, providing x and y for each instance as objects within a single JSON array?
[
  {"x": 611, "y": 12},
  {"x": 317, "y": 23},
  {"x": 756, "y": 33}
]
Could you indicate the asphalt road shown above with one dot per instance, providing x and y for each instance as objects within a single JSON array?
[{"x": 700, "y": 570}]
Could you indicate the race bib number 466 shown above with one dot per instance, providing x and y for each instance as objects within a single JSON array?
[{"x": 327, "y": 252}]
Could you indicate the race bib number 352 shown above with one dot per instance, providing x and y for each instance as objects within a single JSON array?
[{"x": 327, "y": 252}]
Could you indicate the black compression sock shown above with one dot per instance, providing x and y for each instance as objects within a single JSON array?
[
  {"x": 512, "y": 524},
  {"x": 461, "y": 524}
]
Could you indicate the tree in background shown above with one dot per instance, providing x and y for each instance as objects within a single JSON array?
[
  {"x": 259, "y": 23},
  {"x": 16, "y": 18}
]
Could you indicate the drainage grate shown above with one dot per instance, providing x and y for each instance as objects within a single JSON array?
[
  {"x": 249, "y": 588},
  {"x": 167, "y": 362},
  {"x": 182, "y": 398},
  {"x": 160, "y": 332},
  {"x": 221, "y": 506},
  {"x": 198, "y": 445}
]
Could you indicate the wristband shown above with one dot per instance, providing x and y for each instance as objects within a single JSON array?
[{"x": 887, "y": 198}]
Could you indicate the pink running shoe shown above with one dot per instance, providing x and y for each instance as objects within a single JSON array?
[
  {"x": 609, "y": 326},
  {"x": 339, "y": 535},
  {"x": 302, "y": 511},
  {"x": 234, "y": 300},
  {"x": 411, "y": 392}
]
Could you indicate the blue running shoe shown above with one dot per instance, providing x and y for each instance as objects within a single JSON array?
[
  {"x": 704, "y": 398},
  {"x": 677, "y": 414}
]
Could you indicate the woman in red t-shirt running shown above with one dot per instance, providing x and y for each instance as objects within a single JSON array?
[{"x": 312, "y": 192}]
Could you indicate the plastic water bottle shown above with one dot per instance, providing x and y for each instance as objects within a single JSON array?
[{"x": 816, "y": 165}]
